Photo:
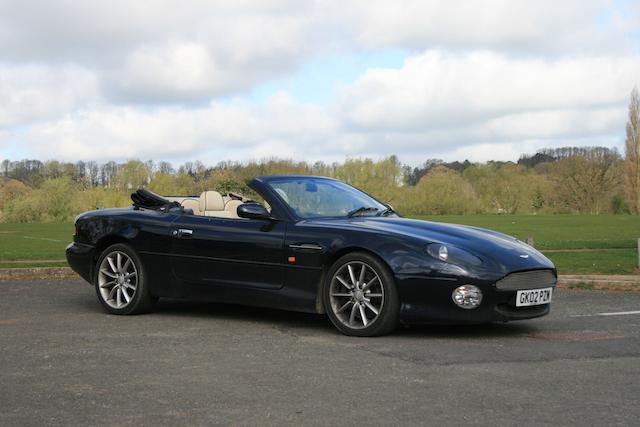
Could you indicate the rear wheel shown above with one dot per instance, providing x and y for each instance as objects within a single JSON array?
[
  {"x": 360, "y": 296},
  {"x": 120, "y": 281}
]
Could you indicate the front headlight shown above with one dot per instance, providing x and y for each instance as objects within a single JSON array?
[
  {"x": 467, "y": 296},
  {"x": 452, "y": 254}
]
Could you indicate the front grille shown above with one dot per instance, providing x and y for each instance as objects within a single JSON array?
[{"x": 527, "y": 280}]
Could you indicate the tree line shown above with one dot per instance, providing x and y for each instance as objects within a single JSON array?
[{"x": 588, "y": 180}]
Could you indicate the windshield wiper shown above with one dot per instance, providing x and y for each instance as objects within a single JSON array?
[
  {"x": 361, "y": 209},
  {"x": 388, "y": 210}
]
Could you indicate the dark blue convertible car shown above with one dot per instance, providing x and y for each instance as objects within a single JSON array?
[{"x": 313, "y": 244}]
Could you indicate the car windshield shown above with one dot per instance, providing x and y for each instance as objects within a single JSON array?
[{"x": 318, "y": 197}]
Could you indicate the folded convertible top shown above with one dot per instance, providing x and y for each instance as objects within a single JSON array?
[{"x": 149, "y": 200}]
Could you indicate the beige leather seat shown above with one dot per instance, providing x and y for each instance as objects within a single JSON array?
[
  {"x": 212, "y": 204},
  {"x": 192, "y": 204},
  {"x": 232, "y": 207}
]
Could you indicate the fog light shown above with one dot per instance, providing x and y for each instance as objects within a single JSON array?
[{"x": 467, "y": 296}]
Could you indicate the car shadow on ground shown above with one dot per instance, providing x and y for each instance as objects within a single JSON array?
[
  {"x": 489, "y": 330},
  {"x": 320, "y": 323},
  {"x": 187, "y": 308},
  {"x": 312, "y": 324}
]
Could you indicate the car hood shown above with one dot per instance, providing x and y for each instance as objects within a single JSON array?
[{"x": 506, "y": 253}]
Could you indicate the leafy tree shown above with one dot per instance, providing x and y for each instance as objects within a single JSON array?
[
  {"x": 11, "y": 189},
  {"x": 108, "y": 172},
  {"x": 632, "y": 152},
  {"x": 98, "y": 198},
  {"x": 132, "y": 175},
  {"x": 537, "y": 202},
  {"x": 583, "y": 185},
  {"x": 619, "y": 205},
  {"x": 441, "y": 191},
  {"x": 536, "y": 159},
  {"x": 172, "y": 185},
  {"x": 50, "y": 202},
  {"x": 505, "y": 188},
  {"x": 165, "y": 167}
]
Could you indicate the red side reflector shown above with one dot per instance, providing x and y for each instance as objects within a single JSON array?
[{"x": 291, "y": 259}]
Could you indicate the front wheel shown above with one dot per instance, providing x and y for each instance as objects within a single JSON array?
[
  {"x": 360, "y": 296},
  {"x": 120, "y": 281}
]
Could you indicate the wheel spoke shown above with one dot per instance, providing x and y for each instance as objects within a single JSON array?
[
  {"x": 132, "y": 274},
  {"x": 119, "y": 297},
  {"x": 126, "y": 265},
  {"x": 352, "y": 275},
  {"x": 108, "y": 273},
  {"x": 344, "y": 307},
  {"x": 344, "y": 283},
  {"x": 126, "y": 296},
  {"x": 369, "y": 283},
  {"x": 371, "y": 307},
  {"x": 119, "y": 262},
  {"x": 107, "y": 284},
  {"x": 353, "y": 314},
  {"x": 341, "y": 295},
  {"x": 363, "y": 315},
  {"x": 362, "y": 271},
  {"x": 374, "y": 295},
  {"x": 112, "y": 265},
  {"x": 112, "y": 292}
]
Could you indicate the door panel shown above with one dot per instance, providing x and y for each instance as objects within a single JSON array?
[{"x": 228, "y": 252}]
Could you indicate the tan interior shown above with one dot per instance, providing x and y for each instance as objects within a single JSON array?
[
  {"x": 232, "y": 207},
  {"x": 193, "y": 204},
  {"x": 210, "y": 203}
]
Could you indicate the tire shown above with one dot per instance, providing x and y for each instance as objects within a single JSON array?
[
  {"x": 119, "y": 280},
  {"x": 362, "y": 303}
]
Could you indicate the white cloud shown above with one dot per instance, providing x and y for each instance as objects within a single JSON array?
[
  {"x": 171, "y": 73},
  {"x": 168, "y": 51},
  {"x": 165, "y": 51},
  {"x": 213, "y": 133},
  {"x": 436, "y": 90},
  {"x": 122, "y": 79},
  {"x": 285, "y": 127},
  {"x": 30, "y": 93},
  {"x": 523, "y": 26}
]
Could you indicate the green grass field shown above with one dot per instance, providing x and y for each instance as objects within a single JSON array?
[
  {"x": 610, "y": 240},
  {"x": 558, "y": 231},
  {"x": 35, "y": 241}
]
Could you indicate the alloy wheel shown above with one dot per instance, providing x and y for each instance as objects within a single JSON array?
[
  {"x": 356, "y": 295},
  {"x": 117, "y": 279}
]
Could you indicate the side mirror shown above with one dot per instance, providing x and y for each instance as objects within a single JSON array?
[{"x": 253, "y": 211}]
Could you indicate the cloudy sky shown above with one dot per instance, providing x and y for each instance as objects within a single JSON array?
[{"x": 313, "y": 80}]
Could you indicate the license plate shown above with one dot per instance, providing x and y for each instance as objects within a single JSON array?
[{"x": 529, "y": 297}]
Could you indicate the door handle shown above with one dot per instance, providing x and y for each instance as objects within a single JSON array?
[{"x": 182, "y": 232}]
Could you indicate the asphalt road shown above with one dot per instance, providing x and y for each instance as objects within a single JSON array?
[{"x": 63, "y": 361}]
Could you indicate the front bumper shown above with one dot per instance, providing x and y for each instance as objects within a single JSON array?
[
  {"x": 80, "y": 258},
  {"x": 429, "y": 301}
]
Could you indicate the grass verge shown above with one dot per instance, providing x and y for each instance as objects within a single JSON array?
[
  {"x": 46, "y": 241},
  {"x": 603, "y": 262},
  {"x": 34, "y": 241}
]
